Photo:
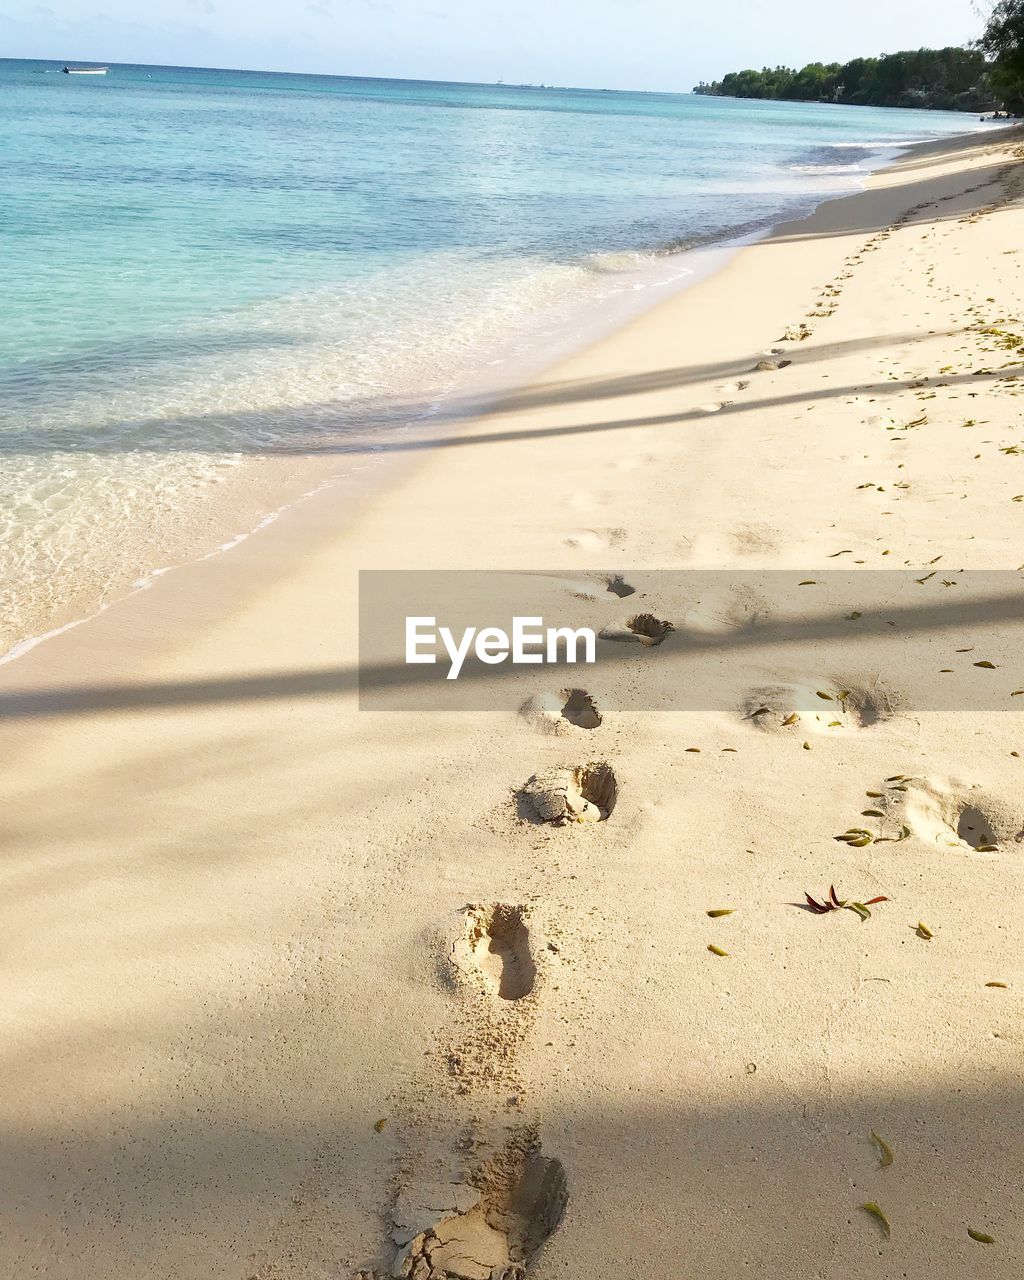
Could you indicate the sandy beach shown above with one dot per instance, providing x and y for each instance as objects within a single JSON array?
[{"x": 297, "y": 991}]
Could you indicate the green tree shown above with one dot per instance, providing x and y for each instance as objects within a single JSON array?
[
  {"x": 1003, "y": 41},
  {"x": 952, "y": 78}
]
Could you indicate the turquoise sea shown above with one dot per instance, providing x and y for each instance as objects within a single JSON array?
[{"x": 207, "y": 275}]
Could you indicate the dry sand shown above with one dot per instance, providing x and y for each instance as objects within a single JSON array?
[{"x": 287, "y": 985}]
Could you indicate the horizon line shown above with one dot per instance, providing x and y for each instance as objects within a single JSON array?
[{"x": 338, "y": 75}]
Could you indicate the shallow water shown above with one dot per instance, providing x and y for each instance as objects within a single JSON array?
[{"x": 206, "y": 271}]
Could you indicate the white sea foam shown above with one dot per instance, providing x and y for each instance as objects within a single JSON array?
[
  {"x": 877, "y": 144},
  {"x": 826, "y": 169},
  {"x": 147, "y": 580}
]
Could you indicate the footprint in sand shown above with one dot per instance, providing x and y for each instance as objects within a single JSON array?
[
  {"x": 489, "y": 1227},
  {"x": 716, "y": 407},
  {"x": 618, "y": 586},
  {"x": 634, "y": 461},
  {"x": 594, "y": 539},
  {"x": 586, "y": 540},
  {"x": 495, "y": 950},
  {"x": 562, "y": 712},
  {"x": 584, "y": 501},
  {"x": 642, "y": 628},
  {"x": 729, "y": 388},
  {"x": 755, "y": 539},
  {"x": 741, "y": 608},
  {"x": 954, "y": 816},
  {"x": 828, "y": 707},
  {"x": 586, "y": 793},
  {"x": 726, "y": 389},
  {"x": 771, "y": 365},
  {"x": 598, "y": 588}
]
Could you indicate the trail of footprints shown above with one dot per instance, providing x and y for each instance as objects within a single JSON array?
[
  {"x": 489, "y": 1222},
  {"x": 486, "y": 1209},
  {"x": 1007, "y": 179},
  {"x": 488, "y": 1218}
]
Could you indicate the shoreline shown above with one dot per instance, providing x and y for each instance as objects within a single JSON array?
[
  {"x": 570, "y": 331},
  {"x": 279, "y": 971}
]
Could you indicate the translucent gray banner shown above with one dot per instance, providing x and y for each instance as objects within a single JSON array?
[{"x": 836, "y": 644}]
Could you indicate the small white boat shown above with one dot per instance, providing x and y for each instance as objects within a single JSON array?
[{"x": 84, "y": 71}]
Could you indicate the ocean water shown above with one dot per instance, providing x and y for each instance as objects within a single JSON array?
[{"x": 210, "y": 277}]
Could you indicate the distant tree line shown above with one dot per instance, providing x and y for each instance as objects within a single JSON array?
[
  {"x": 987, "y": 76},
  {"x": 951, "y": 79}
]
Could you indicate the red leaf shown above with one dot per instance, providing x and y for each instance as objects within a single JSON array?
[{"x": 871, "y": 901}]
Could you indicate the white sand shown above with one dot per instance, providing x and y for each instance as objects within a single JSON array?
[{"x": 236, "y": 910}]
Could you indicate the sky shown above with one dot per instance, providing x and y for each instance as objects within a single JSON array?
[{"x": 618, "y": 44}]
